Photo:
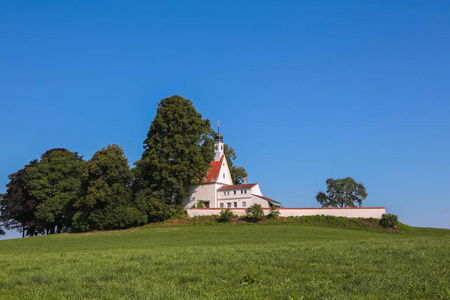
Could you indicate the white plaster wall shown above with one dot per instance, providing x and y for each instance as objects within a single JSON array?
[
  {"x": 239, "y": 201},
  {"x": 224, "y": 170},
  {"x": 262, "y": 202},
  {"x": 206, "y": 192},
  {"x": 256, "y": 190},
  {"x": 232, "y": 196},
  {"x": 356, "y": 212}
]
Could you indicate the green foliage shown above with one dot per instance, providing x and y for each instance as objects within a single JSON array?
[
  {"x": 288, "y": 261},
  {"x": 200, "y": 204},
  {"x": 255, "y": 211},
  {"x": 17, "y": 206},
  {"x": 157, "y": 210},
  {"x": 274, "y": 213},
  {"x": 237, "y": 173},
  {"x": 53, "y": 184},
  {"x": 226, "y": 215},
  {"x": 249, "y": 278},
  {"x": 388, "y": 220},
  {"x": 344, "y": 192},
  {"x": 106, "y": 196},
  {"x": 177, "y": 151}
]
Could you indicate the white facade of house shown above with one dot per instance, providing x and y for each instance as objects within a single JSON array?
[{"x": 218, "y": 191}]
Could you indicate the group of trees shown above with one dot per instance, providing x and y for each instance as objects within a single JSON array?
[{"x": 61, "y": 190}]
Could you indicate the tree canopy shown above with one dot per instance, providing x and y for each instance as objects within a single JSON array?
[
  {"x": 105, "y": 200},
  {"x": 344, "y": 192},
  {"x": 177, "y": 150},
  {"x": 17, "y": 206},
  {"x": 54, "y": 184}
]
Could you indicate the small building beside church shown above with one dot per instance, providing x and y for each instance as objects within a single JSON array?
[{"x": 218, "y": 190}]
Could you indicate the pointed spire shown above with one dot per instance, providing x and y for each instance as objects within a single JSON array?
[{"x": 218, "y": 126}]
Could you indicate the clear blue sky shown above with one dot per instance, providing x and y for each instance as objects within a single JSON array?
[{"x": 304, "y": 90}]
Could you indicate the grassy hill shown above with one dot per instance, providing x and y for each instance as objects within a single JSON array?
[{"x": 229, "y": 261}]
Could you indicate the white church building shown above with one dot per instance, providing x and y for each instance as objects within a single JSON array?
[{"x": 218, "y": 190}]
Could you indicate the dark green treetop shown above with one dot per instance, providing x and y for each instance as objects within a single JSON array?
[
  {"x": 344, "y": 192},
  {"x": 177, "y": 150},
  {"x": 16, "y": 205},
  {"x": 105, "y": 200},
  {"x": 54, "y": 183}
]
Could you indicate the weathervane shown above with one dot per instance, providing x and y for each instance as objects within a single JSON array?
[{"x": 218, "y": 126}]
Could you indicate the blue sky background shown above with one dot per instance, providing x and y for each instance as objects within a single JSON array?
[{"x": 304, "y": 90}]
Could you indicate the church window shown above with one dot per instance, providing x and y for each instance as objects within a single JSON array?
[
  {"x": 244, "y": 204},
  {"x": 242, "y": 191},
  {"x": 235, "y": 204},
  {"x": 221, "y": 147},
  {"x": 223, "y": 175},
  {"x": 234, "y": 192},
  {"x": 225, "y": 193},
  {"x": 221, "y": 205},
  {"x": 229, "y": 204},
  {"x": 217, "y": 147}
]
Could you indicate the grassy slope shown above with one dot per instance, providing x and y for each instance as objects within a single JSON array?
[{"x": 289, "y": 261}]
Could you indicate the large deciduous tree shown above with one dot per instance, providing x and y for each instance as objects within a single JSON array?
[
  {"x": 344, "y": 192},
  {"x": 177, "y": 150},
  {"x": 106, "y": 197},
  {"x": 54, "y": 183},
  {"x": 17, "y": 205}
]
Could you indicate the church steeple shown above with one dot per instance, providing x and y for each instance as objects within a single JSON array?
[{"x": 218, "y": 144}]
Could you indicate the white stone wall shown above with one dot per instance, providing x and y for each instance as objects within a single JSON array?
[
  {"x": 204, "y": 192},
  {"x": 349, "y": 212}
]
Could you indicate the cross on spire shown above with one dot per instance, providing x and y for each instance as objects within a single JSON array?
[{"x": 218, "y": 126}]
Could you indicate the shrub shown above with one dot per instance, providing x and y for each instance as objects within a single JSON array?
[
  {"x": 200, "y": 204},
  {"x": 226, "y": 215},
  {"x": 255, "y": 211},
  {"x": 274, "y": 213},
  {"x": 388, "y": 220}
]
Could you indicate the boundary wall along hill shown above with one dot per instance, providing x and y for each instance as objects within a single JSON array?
[{"x": 349, "y": 212}]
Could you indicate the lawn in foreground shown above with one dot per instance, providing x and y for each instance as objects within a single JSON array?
[{"x": 221, "y": 261}]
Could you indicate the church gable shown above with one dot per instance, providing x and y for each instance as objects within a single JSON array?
[{"x": 219, "y": 172}]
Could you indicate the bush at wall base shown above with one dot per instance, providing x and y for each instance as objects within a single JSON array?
[{"x": 388, "y": 221}]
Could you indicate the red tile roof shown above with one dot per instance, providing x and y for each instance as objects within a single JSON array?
[
  {"x": 214, "y": 170},
  {"x": 237, "y": 187},
  {"x": 265, "y": 198}
]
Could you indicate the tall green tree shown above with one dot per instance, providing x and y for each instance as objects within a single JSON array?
[
  {"x": 54, "y": 184},
  {"x": 17, "y": 205},
  {"x": 343, "y": 192},
  {"x": 106, "y": 197},
  {"x": 177, "y": 150}
]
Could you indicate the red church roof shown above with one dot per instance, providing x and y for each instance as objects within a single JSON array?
[
  {"x": 237, "y": 187},
  {"x": 214, "y": 170}
]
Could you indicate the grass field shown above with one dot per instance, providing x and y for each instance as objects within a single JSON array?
[{"x": 229, "y": 261}]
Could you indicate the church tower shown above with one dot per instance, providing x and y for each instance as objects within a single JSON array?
[{"x": 218, "y": 145}]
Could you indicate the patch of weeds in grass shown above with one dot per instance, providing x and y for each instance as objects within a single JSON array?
[{"x": 249, "y": 278}]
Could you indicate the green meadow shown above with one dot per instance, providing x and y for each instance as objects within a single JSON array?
[{"x": 229, "y": 261}]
